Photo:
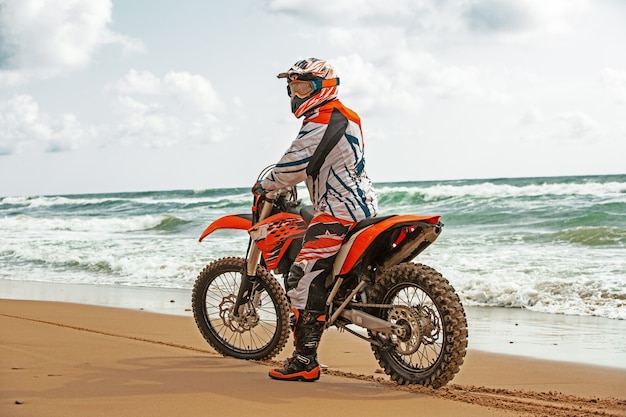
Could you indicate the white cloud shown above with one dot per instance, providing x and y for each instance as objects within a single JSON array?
[
  {"x": 403, "y": 79},
  {"x": 523, "y": 17},
  {"x": 192, "y": 90},
  {"x": 24, "y": 127},
  {"x": 138, "y": 82},
  {"x": 614, "y": 81},
  {"x": 179, "y": 108},
  {"x": 570, "y": 128},
  {"x": 441, "y": 18},
  {"x": 531, "y": 117},
  {"x": 577, "y": 126},
  {"x": 373, "y": 12},
  {"x": 160, "y": 112},
  {"x": 386, "y": 58},
  {"x": 42, "y": 39}
]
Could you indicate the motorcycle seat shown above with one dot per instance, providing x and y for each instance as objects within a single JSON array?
[
  {"x": 365, "y": 223},
  {"x": 307, "y": 212}
]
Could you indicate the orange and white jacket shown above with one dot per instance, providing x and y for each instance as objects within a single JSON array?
[{"x": 341, "y": 188}]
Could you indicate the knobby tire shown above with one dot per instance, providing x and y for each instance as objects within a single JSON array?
[
  {"x": 441, "y": 352},
  {"x": 215, "y": 289}
]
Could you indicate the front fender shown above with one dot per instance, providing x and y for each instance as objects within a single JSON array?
[{"x": 232, "y": 221}]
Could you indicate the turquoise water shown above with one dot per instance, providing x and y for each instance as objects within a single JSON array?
[{"x": 554, "y": 245}]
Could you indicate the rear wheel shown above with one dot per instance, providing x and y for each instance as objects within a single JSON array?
[
  {"x": 430, "y": 343},
  {"x": 261, "y": 328}
]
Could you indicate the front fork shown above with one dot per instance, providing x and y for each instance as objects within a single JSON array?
[{"x": 253, "y": 258}]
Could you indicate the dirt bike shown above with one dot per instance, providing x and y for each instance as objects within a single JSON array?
[{"x": 408, "y": 312}]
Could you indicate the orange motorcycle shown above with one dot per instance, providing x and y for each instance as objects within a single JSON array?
[{"x": 408, "y": 312}]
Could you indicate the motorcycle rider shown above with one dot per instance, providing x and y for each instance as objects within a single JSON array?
[{"x": 327, "y": 155}]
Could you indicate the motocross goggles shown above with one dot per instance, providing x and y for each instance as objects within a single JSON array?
[{"x": 303, "y": 89}]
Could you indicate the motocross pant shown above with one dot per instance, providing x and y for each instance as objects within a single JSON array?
[{"x": 306, "y": 282}]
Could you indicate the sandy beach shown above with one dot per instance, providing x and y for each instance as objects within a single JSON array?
[{"x": 64, "y": 359}]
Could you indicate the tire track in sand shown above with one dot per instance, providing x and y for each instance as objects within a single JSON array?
[{"x": 530, "y": 403}]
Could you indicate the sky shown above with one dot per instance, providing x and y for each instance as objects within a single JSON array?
[{"x": 101, "y": 96}]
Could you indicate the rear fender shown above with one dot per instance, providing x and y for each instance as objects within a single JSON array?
[
  {"x": 232, "y": 221},
  {"x": 353, "y": 250}
]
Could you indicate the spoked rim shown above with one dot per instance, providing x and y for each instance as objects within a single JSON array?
[
  {"x": 423, "y": 345},
  {"x": 251, "y": 332}
]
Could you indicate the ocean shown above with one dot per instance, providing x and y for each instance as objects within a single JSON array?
[{"x": 555, "y": 245}]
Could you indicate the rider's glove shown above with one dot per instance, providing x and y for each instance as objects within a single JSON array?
[{"x": 257, "y": 189}]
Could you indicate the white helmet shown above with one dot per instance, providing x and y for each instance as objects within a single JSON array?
[{"x": 310, "y": 83}]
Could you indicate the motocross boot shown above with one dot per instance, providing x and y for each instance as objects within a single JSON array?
[{"x": 303, "y": 365}]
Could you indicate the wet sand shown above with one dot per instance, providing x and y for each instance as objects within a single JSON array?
[{"x": 511, "y": 331}]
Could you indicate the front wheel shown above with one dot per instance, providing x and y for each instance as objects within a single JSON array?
[
  {"x": 259, "y": 330},
  {"x": 430, "y": 341}
]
